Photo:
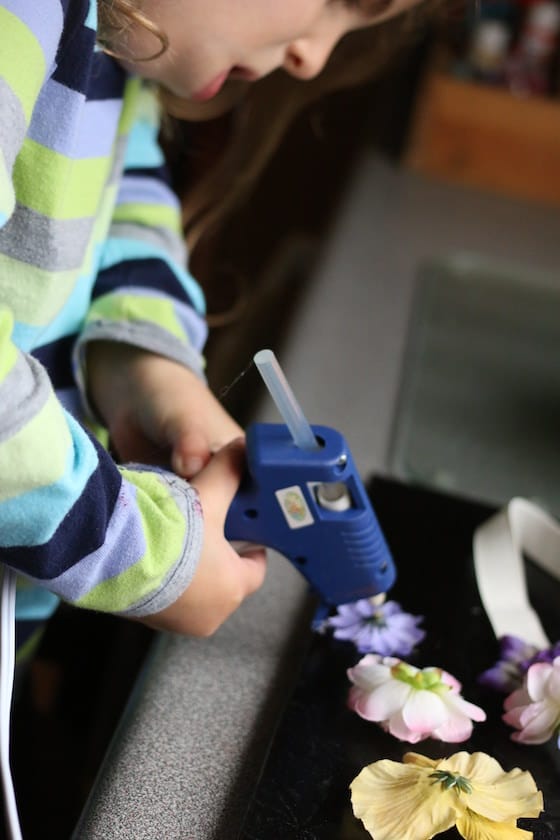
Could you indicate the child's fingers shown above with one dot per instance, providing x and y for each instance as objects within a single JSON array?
[
  {"x": 218, "y": 482},
  {"x": 192, "y": 443},
  {"x": 190, "y": 451}
]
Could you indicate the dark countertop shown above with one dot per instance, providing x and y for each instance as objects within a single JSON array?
[{"x": 192, "y": 740}]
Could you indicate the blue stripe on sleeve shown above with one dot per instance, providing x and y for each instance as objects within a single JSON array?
[
  {"x": 56, "y": 357},
  {"x": 125, "y": 530},
  {"x": 150, "y": 273},
  {"x": 135, "y": 188},
  {"x": 91, "y": 19},
  {"x": 80, "y": 533},
  {"x": 142, "y": 149},
  {"x": 119, "y": 250},
  {"x": 32, "y": 518}
]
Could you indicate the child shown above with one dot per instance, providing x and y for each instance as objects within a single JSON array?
[{"x": 94, "y": 293}]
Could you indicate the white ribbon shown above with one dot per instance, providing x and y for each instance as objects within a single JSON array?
[{"x": 498, "y": 548}]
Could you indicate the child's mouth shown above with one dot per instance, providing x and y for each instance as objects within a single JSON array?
[
  {"x": 212, "y": 88},
  {"x": 237, "y": 72}
]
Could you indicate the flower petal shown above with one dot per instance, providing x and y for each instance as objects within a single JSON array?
[
  {"x": 472, "y": 827},
  {"x": 460, "y": 713},
  {"x": 537, "y": 722},
  {"x": 516, "y": 649},
  {"x": 403, "y": 637},
  {"x": 537, "y": 679},
  {"x": 365, "y": 638},
  {"x": 346, "y": 631},
  {"x": 456, "y": 729},
  {"x": 478, "y": 764},
  {"x": 553, "y": 685},
  {"x": 398, "y": 728},
  {"x": 451, "y": 681},
  {"x": 420, "y": 760},
  {"x": 395, "y": 800},
  {"x": 379, "y": 641},
  {"x": 459, "y": 704},
  {"x": 370, "y": 672},
  {"x": 496, "y": 794},
  {"x": 520, "y": 697},
  {"x": 424, "y": 711},
  {"x": 514, "y": 795},
  {"x": 392, "y": 608},
  {"x": 383, "y": 702},
  {"x": 504, "y": 677},
  {"x": 364, "y": 608}
]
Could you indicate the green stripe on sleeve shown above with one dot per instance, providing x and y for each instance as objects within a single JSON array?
[
  {"x": 130, "y": 104},
  {"x": 25, "y": 77},
  {"x": 164, "y": 531},
  {"x": 150, "y": 215},
  {"x": 153, "y": 310},
  {"x": 36, "y": 295},
  {"x": 8, "y": 353},
  {"x": 83, "y": 181},
  {"x": 22, "y": 457}
]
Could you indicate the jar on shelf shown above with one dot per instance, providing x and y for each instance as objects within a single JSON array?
[{"x": 528, "y": 70}]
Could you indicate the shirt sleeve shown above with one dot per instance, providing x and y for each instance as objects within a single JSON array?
[
  {"x": 119, "y": 540},
  {"x": 144, "y": 294}
]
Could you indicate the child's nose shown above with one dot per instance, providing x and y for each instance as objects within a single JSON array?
[{"x": 305, "y": 58}]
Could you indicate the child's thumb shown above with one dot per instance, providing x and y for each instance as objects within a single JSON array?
[{"x": 221, "y": 476}]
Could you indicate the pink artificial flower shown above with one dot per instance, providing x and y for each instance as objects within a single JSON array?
[
  {"x": 411, "y": 703},
  {"x": 534, "y": 709}
]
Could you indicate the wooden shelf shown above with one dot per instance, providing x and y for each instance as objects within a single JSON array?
[{"x": 485, "y": 137}]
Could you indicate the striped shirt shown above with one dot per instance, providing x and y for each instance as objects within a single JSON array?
[{"x": 90, "y": 248}]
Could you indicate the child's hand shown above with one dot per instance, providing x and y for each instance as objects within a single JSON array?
[
  {"x": 223, "y": 578},
  {"x": 156, "y": 410}
]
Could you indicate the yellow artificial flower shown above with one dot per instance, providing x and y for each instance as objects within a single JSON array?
[{"x": 423, "y": 797}]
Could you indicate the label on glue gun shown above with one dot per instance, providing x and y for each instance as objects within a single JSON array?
[{"x": 294, "y": 507}]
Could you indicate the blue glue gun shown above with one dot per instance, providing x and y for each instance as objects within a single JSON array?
[{"x": 310, "y": 505}]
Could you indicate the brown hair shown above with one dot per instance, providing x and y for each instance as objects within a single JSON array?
[{"x": 116, "y": 18}]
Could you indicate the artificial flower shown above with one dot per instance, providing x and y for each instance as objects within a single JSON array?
[
  {"x": 516, "y": 657},
  {"x": 422, "y": 797},
  {"x": 411, "y": 703},
  {"x": 377, "y": 628},
  {"x": 534, "y": 709},
  {"x": 507, "y": 674}
]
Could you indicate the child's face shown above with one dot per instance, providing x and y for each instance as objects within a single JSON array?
[{"x": 215, "y": 40}]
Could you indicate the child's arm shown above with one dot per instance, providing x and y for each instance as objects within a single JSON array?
[
  {"x": 120, "y": 540},
  {"x": 146, "y": 305}
]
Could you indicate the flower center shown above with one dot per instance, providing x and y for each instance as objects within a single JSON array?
[
  {"x": 377, "y": 619},
  {"x": 427, "y": 679},
  {"x": 451, "y": 780}
]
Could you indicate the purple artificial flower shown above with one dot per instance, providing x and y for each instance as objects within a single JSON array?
[
  {"x": 377, "y": 628},
  {"x": 516, "y": 657},
  {"x": 507, "y": 673}
]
